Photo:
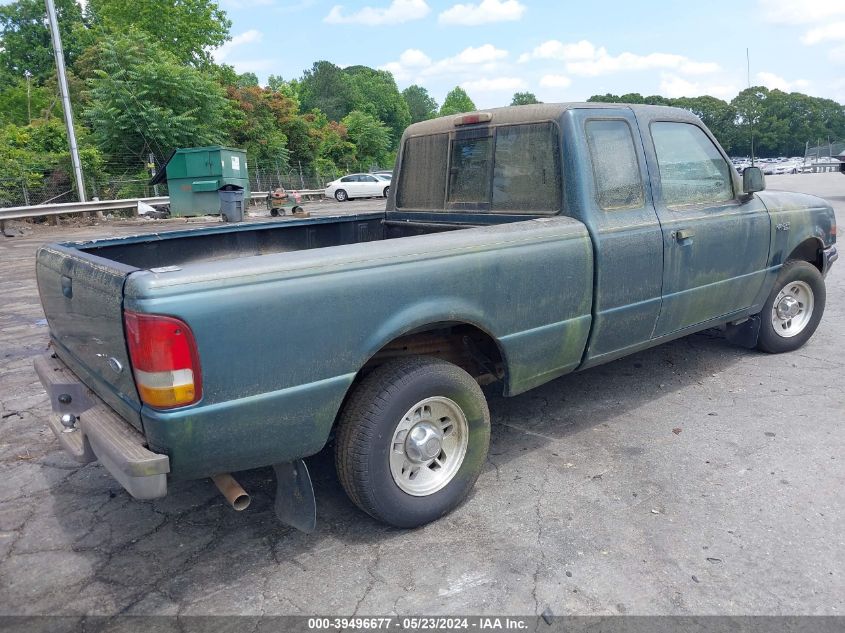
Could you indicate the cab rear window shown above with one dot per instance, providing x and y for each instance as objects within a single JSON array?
[{"x": 505, "y": 169}]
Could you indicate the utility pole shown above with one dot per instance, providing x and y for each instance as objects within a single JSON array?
[
  {"x": 28, "y": 76},
  {"x": 60, "y": 71}
]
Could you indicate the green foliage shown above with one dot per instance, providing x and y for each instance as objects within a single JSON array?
[
  {"x": 456, "y": 102},
  {"x": 30, "y": 154},
  {"x": 524, "y": 98},
  {"x": 14, "y": 102},
  {"x": 26, "y": 43},
  {"x": 188, "y": 29},
  {"x": 337, "y": 92},
  {"x": 371, "y": 138},
  {"x": 421, "y": 106},
  {"x": 143, "y": 100},
  {"x": 325, "y": 87},
  {"x": 377, "y": 94},
  {"x": 264, "y": 115}
]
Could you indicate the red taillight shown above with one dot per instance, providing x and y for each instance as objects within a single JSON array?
[{"x": 164, "y": 360}]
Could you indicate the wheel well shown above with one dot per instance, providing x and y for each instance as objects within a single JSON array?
[
  {"x": 810, "y": 250},
  {"x": 467, "y": 346}
]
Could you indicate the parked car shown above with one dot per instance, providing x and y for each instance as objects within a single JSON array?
[
  {"x": 358, "y": 186},
  {"x": 521, "y": 244}
]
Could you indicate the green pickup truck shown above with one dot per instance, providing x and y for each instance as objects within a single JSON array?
[{"x": 518, "y": 244}]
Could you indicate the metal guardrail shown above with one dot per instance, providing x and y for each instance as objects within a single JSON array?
[{"x": 67, "y": 208}]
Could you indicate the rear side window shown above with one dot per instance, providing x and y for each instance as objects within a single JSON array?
[
  {"x": 422, "y": 179},
  {"x": 616, "y": 170},
  {"x": 692, "y": 171},
  {"x": 526, "y": 173}
]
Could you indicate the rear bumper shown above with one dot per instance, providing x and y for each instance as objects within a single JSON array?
[
  {"x": 100, "y": 433},
  {"x": 829, "y": 255}
]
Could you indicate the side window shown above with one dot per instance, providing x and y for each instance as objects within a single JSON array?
[
  {"x": 469, "y": 170},
  {"x": 422, "y": 177},
  {"x": 526, "y": 172},
  {"x": 692, "y": 171},
  {"x": 348, "y": 179},
  {"x": 616, "y": 169},
  {"x": 369, "y": 179}
]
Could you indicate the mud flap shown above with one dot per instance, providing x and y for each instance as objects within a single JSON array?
[
  {"x": 746, "y": 333},
  {"x": 295, "y": 502}
]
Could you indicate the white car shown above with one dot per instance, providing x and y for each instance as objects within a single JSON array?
[{"x": 358, "y": 186}]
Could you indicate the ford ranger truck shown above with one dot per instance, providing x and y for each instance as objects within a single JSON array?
[{"x": 517, "y": 245}]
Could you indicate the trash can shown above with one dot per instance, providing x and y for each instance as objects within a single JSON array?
[{"x": 231, "y": 203}]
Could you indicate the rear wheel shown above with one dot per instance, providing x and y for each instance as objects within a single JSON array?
[
  {"x": 794, "y": 308},
  {"x": 340, "y": 195},
  {"x": 411, "y": 440},
  {"x": 386, "y": 191},
  {"x": 296, "y": 210},
  {"x": 274, "y": 213}
]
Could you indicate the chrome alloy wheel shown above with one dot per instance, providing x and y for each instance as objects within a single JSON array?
[
  {"x": 792, "y": 309},
  {"x": 429, "y": 446}
]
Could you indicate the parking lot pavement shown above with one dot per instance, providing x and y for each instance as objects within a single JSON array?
[{"x": 693, "y": 478}]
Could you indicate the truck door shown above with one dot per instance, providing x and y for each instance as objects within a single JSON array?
[
  {"x": 616, "y": 206},
  {"x": 715, "y": 246}
]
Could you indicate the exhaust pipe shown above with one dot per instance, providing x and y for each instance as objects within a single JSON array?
[{"x": 231, "y": 489}]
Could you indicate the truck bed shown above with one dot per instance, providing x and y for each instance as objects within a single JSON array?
[
  {"x": 179, "y": 248},
  {"x": 285, "y": 314}
]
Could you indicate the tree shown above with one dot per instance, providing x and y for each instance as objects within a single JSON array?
[
  {"x": 524, "y": 98},
  {"x": 718, "y": 115},
  {"x": 421, "y": 106},
  {"x": 26, "y": 43},
  {"x": 259, "y": 129},
  {"x": 327, "y": 88},
  {"x": 189, "y": 29},
  {"x": 457, "y": 102},
  {"x": 370, "y": 137},
  {"x": 142, "y": 99},
  {"x": 378, "y": 95},
  {"x": 16, "y": 106}
]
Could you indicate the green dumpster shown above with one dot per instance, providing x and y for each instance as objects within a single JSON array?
[{"x": 195, "y": 175}]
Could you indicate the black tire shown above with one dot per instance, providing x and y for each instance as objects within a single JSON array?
[
  {"x": 224, "y": 217},
  {"x": 274, "y": 213},
  {"x": 386, "y": 191},
  {"x": 366, "y": 428},
  {"x": 795, "y": 271},
  {"x": 340, "y": 195},
  {"x": 296, "y": 210}
]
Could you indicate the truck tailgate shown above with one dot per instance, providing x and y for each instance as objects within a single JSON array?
[{"x": 82, "y": 296}]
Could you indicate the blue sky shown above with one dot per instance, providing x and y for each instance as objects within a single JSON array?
[{"x": 561, "y": 51}]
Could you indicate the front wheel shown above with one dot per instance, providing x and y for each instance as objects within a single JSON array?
[
  {"x": 793, "y": 310},
  {"x": 386, "y": 191},
  {"x": 340, "y": 195},
  {"x": 411, "y": 440}
]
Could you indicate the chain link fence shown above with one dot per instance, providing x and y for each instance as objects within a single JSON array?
[{"x": 36, "y": 186}]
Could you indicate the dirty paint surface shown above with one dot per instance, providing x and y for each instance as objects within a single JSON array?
[{"x": 590, "y": 503}]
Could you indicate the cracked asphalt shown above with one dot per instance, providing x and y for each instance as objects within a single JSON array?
[{"x": 693, "y": 478}]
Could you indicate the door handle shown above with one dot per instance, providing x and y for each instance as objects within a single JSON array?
[{"x": 684, "y": 234}]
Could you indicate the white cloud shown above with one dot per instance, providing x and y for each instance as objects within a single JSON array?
[
  {"x": 776, "y": 82},
  {"x": 584, "y": 58},
  {"x": 832, "y": 31},
  {"x": 837, "y": 55},
  {"x": 247, "y": 37},
  {"x": 415, "y": 65},
  {"x": 555, "y": 81},
  {"x": 796, "y": 12},
  {"x": 397, "y": 12},
  {"x": 673, "y": 87},
  {"x": 499, "y": 84},
  {"x": 485, "y": 12}
]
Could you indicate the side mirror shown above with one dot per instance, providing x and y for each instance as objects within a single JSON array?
[{"x": 753, "y": 180}]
